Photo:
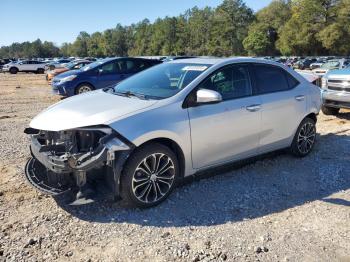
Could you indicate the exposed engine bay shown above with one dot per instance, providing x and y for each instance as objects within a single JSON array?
[{"x": 71, "y": 159}]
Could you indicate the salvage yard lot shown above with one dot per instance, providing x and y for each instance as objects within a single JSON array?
[{"x": 279, "y": 208}]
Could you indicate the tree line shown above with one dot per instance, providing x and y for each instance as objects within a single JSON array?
[{"x": 284, "y": 27}]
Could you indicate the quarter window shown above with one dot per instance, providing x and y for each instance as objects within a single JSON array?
[
  {"x": 292, "y": 82},
  {"x": 271, "y": 79},
  {"x": 231, "y": 82}
]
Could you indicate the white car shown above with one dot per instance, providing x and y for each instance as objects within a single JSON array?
[
  {"x": 25, "y": 66},
  {"x": 168, "y": 122}
]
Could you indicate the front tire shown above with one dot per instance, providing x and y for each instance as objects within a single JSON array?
[
  {"x": 330, "y": 111},
  {"x": 14, "y": 70},
  {"x": 304, "y": 139},
  {"x": 83, "y": 88},
  {"x": 149, "y": 176}
]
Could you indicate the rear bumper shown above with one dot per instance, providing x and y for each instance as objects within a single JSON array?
[{"x": 338, "y": 99}]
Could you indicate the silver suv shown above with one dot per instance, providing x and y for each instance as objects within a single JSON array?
[
  {"x": 336, "y": 91},
  {"x": 171, "y": 121}
]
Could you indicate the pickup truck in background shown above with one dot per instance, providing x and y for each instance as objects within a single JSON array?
[
  {"x": 336, "y": 91},
  {"x": 25, "y": 66},
  {"x": 330, "y": 65}
]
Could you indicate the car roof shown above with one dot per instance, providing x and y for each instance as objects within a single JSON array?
[{"x": 216, "y": 61}]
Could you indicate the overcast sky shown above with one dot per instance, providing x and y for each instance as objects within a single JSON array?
[{"x": 61, "y": 21}]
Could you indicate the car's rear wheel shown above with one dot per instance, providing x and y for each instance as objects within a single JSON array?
[
  {"x": 83, "y": 88},
  {"x": 149, "y": 176},
  {"x": 304, "y": 139},
  {"x": 13, "y": 70},
  {"x": 330, "y": 111},
  {"x": 40, "y": 71}
]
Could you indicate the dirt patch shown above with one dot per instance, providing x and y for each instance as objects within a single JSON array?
[{"x": 277, "y": 209}]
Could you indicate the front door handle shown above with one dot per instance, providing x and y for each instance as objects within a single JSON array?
[
  {"x": 253, "y": 108},
  {"x": 300, "y": 98}
]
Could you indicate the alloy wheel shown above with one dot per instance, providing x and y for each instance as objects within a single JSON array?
[
  {"x": 306, "y": 137},
  {"x": 84, "y": 89},
  {"x": 153, "y": 178}
]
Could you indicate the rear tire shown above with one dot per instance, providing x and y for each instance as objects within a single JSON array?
[
  {"x": 14, "y": 70},
  {"x": 330, "y": 111},
  {"x": 40, "y": 71},
  {"x": 84, "y": 88},
  {"x": 304, "y": 139},
  {"x": 149, "y": 176}
]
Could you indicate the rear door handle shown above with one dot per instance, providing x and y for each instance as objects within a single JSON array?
[
  {"x": 300, "y": 98},
  {"x": 253, "y": 108}
]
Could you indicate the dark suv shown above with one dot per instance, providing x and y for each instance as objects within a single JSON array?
[{"x": 100, "y": 74}]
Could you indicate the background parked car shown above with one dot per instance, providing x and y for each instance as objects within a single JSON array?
[
  {"x": 57, "y": 64},
  {"x": 25, "y": 66},
  {"x": 319, "y": 62},
  {"x": 3, "y": 62},
  {"x": 332, "y": 65},
  {"x": 304, "y": 64},
  {"x": 75, "y": 65},
  {"x": 336, "y": 91},
  {"x": 100, "y": 74}
]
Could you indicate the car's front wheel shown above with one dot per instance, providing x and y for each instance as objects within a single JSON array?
[
  {"x": 13, "y": 70},
  {"x": 304, "y": 139},
  {"x": 149, "y": 176},
  {"x": 330, "y": 111},
  {"x": 83, "y": 88}
]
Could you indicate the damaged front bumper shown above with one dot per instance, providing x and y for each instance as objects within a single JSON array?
[{"x": 63, "y": 160}]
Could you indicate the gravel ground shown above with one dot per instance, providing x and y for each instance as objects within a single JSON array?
[{"x": 278, "y": 208}]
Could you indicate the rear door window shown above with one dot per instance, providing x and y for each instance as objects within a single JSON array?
[{"x": 270, "y": 79}]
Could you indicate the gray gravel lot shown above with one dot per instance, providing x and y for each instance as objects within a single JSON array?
[{"x": 277, "y": 208}]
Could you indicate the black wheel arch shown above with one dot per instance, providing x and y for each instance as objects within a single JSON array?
[
  {"x": 312, "y": 116},
  {"x": 173, "y": 146}
]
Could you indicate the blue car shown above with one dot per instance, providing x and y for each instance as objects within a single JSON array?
[{"x": 100, "y": 74}]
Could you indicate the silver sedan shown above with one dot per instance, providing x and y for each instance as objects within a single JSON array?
[{"x": 168, "y": 122}]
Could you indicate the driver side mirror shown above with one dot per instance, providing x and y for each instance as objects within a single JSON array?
[{"x": 207, "y": 96}]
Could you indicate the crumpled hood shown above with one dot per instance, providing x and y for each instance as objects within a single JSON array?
[{"x": 89, "y": 109}]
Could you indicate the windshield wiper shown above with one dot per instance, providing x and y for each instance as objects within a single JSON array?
[{"x": 130, "y": 94}]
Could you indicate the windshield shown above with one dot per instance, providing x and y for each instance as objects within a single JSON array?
[
  {"x": 92, "y": 65},
  {"x": 71, "y": 65},
  {"x": 331, "y": 64},
  {"x": 161, "y": 81}
]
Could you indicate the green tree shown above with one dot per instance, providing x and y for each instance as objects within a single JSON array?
[
  {"x": 335, "y": 36},
  {"x": 300, "y": 33},
  {"x": 230, "y": 26},
  {"x": 80, "y": 45},
  {"x": 264, "y": 32},
  {"x": 94, "y": 45},
  {"x": 142, "y": 38}
]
